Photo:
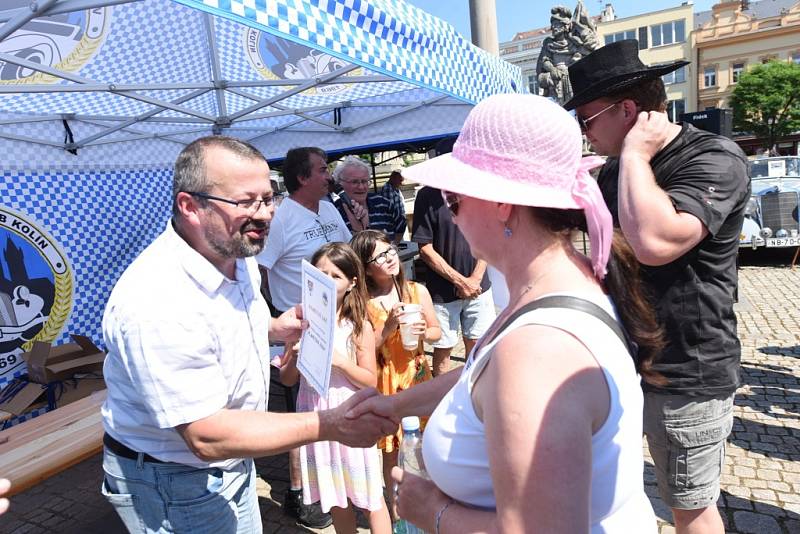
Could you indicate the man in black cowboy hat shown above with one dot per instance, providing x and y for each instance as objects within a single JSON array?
[{"x": 678, "y": 194}]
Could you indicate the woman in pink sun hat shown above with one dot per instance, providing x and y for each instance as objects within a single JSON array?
[{"x": 542, "y": 428}]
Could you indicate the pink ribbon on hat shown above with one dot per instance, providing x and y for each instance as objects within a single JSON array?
[{"x": 586, "y": 194}]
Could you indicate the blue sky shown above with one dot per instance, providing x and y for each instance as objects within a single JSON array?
[{"x": 520, "y": 15}]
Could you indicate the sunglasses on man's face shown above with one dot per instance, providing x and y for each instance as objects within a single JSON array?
[
  {"x": 585, "y": 123},
  {"x": 451, "y": 200}
]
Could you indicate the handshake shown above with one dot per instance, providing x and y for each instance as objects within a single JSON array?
[{"x": 361, "y": 420}]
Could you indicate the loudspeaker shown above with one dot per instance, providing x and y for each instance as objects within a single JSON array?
[{"x": 715, "y": 120}]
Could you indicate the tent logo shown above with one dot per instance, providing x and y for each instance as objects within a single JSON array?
[
  {"x": 35, "y": 289},
  {"x": 279, "y": 59},
  {"x": 65, "y": 42}
]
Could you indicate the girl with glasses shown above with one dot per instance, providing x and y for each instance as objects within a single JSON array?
[{"x": 398, "y": 368}]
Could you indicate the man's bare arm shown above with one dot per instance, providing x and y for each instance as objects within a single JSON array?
[
  {"x": 250, "y": 434},
  {"x": 657, "y": 232}
]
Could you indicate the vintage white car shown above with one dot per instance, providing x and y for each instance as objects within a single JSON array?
[{"x": 771, "y": 216}]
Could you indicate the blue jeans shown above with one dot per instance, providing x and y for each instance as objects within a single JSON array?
[{"x": 167, "y": 497}]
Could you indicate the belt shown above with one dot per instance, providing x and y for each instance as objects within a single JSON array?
[{"x": 121, "y": 450}]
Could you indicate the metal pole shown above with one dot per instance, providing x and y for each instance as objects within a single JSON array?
[
  {"x": 483, "y": 24},
  {"x": 374, "y": 178},
  {"x": 35, "y": 9}
]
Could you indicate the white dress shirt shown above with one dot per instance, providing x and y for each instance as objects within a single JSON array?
[
  {"x": 295, "y": 234},
  {"x": 184, "y": 342}
]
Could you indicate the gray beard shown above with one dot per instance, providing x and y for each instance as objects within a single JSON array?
[{"x": 238, "y": 247}]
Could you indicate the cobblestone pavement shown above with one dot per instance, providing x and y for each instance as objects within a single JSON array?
[{"x": 760, "y": 485}]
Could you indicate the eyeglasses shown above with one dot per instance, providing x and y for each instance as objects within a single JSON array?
[
  {"x": 584, "y": 123},
  {"x": 358, "y": 183},
  {"x": 251, "y": 205},
  {"x": 451, "y": 200},
  {"x": 384, "y": 256}
]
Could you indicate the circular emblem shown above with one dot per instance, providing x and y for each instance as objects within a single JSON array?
[
  {"x": 65, "y": 42},
  {"x": 280, "y": 59},
  {"x": 35, "y": 289}
]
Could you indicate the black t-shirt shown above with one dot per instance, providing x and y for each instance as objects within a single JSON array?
[
  {"x": 704, "y": 175},
  {"x": 433, "y": 224}
]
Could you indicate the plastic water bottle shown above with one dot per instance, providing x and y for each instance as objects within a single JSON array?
[{"x": 410, "y": 459}]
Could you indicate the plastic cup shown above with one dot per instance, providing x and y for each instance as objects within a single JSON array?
[{"x": 412, "y": 313}]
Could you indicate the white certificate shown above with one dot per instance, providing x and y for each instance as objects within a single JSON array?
[{"x": 316, "y": 345}]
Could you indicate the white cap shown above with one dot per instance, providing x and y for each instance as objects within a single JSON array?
[{"x": 410, "y": 423}]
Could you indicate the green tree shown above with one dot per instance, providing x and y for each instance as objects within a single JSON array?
[{"x": 766, "y": 101}]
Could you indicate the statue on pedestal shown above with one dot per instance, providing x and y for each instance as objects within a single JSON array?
[{"x": 573, "y": 36}]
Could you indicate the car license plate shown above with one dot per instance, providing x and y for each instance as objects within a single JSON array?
[{"x": 783, "y": 242}]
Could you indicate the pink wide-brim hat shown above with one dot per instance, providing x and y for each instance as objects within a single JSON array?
[{"x": 524, "y": 150}]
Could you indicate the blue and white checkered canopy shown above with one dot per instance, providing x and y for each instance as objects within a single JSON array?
[
  {"x": 97, "y": 98},
  {"x": 338, "y": 74}
]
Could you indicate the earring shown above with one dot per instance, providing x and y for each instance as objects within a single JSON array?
[{"x": 507, "y": 232}]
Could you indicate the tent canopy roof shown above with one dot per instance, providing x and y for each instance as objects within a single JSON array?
[{"x": 133, "y": 81}]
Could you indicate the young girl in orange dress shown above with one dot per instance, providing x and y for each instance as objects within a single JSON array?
[{"x": 398, "y": 368}]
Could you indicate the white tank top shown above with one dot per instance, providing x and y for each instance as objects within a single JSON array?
[{"x": 455, "y": 448}]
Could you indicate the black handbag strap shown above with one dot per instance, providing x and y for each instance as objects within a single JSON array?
[{"x": 573, "y": 303}]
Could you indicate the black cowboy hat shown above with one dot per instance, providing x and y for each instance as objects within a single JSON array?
[{"x": 609, "y": 69}]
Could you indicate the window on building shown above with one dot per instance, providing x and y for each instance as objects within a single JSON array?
[
  {"x": 619, "y": 36},
  {"x": 676, "y": 76},
  {"x": 709, "y": 77},
  {"x": 676, "y": 108},
  {"x": 668, "y": 33},
  {"x": 736, "y": 70},
  {"x": 533, "y": 85},
  {"x": 796, "y": 58},
  {"x": 530, "y": 46},
  {"x": 643, "y": 38}
]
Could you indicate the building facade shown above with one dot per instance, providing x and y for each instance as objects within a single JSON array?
[
  {"x": 736, "y": 35},
  {"x": 523, "y": 51},
  {"x": 524, "y": 48},
  {"x": 720, "y": 44},
  {"x": 664, "y": 37}
]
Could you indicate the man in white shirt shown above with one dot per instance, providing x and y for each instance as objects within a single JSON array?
[
  {"x": 188, "y": 356},
  {"x": 303, "y": 222}
]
